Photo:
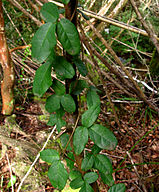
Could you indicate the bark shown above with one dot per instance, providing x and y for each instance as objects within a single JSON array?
[{"x": 7, "y": 83}]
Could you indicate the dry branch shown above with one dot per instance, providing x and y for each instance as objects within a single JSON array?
[
  {"x": 148, "y": 29},
  {"x": 109, "y": 20},
  {"x": 16, "y": 4}
]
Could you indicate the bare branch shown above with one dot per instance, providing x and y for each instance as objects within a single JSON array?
[{"x": 148, "y": 29}]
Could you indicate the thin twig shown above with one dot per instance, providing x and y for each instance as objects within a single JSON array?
[
  {"x": 64, "y": 151},
  {"x": 132, "y": 162},
  {"x": 148, "y": 29},
  {"x": 10, "y": 170},
  {"x": 37, "y": 157}
]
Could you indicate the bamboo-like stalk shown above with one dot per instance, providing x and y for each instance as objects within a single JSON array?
[
  {"x": 110, "y": 21},
  {"x": 7, "y": 83}
]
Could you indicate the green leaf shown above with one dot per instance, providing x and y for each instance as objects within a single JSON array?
[
  {"x": 90, "y": 177},
  {"x": 87, "y": 162},
  {"x": 96, "y": 149},
  {"x": 92, "y": 98},
  {"x": 65, "y": 1},
  {"x": 12, "y": 181},
  {"x": 63, "y": 68},
  {"x": 64, "y": 139},
  {"x": 86, "y": 188},
  {"x": 90, "y": 116},
  {"x": 57, "y": 119},
  {"x": 74, "y": 174},
  {"x": 80, "y": 66},
  {"x": 103, "y": 164},
  {"x": 49, "y": 12},
  {"x": 78, "y": 86},
  {"x": 60, "y": 123},
  {"x": 107, "y": 178},
  {"x": 68, "y": 103},
  {"x": 102, "y": 137},
  {"x": 53, "y": 103},
  {"x": 117, "y": 188},
  {"x": 70, "y": 163},
  {"x": 43, "y": 42},
  {"x": 52, "y": 120},
  {"x": 76, "y": 183},
  {"x": 58, "y": 87},
  {"x": 68, "y": 36},
  {"x": 58, "y": 175},
  {"x": 49, "y": 155},
  {"x": 80, "y": 139},
  {"x": 42, "y": 79}
]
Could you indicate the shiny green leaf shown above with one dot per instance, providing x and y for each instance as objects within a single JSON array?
[
  {"x": 68, "y": 36},
  {"x": 63, "y": 68},
  {"x": 80, "y": 66},
  {"x": 49, "y": 155},
  {"x": 102, "y": 137},
  {"x": 58, "y": 87},
  {"x": 64, "y": 139},
  {"x": 42, "y": 79},
  {"x": 90, "y": 116},
  {"x": 68, "y": 103},
  {"x": 53, "y": 103},
  {"x": 107, "y": 178},
  {"x": 49, "y": 12},
  {"x": 58, "y": 175},
  {"x": 90, "y": 177},
  {"x": 87, "y": 162},
  {"x": 43, "y": 42},
  {"x": 86, "y": 188},
  {"x": 76, "y": 183},
  {"x": 78, "y": 86},
  {"x": 92, "y": 98},
  {"x": 103, "y": 164},
  {"x": 80, "y": 139}
]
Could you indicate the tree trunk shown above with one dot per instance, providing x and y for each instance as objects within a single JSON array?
[{"x": 7, "y": 83}]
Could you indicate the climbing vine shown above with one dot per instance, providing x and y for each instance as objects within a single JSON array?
[{"x": 63, "y": 106}]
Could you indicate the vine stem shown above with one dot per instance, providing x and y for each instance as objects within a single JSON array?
[
  {"x": 37, "y": 157},
  {"x": 64, "y": 151}
]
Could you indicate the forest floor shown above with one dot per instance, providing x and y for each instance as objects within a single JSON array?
[{"x": 135, "y": 159}]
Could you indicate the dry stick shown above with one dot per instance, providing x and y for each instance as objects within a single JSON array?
[
  {"x": 112, "y": 80},
  {"x": 148, "y": 29},
  {"x": 113, "y": 69},
  {"x": 64, "y": 151},
  {"x": 134, "y": 49},
  {"x": 16, "y": 4},
  {"x": 105, "y": 89},
  {"x": 34, "y": 6},
  {"x": 10, "y": 170},
  {"x": 14, "y": 25},
  {"x": 104, "y": 84},
  {"x": 133, "y": 164},
  {"x": 37, "y": 157},
  {"x": 115, "y": 56},
  {"x": 39, "y": 3},
  {"x": 138, "y": 91},
  {"x": 108, "y": 20}
]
